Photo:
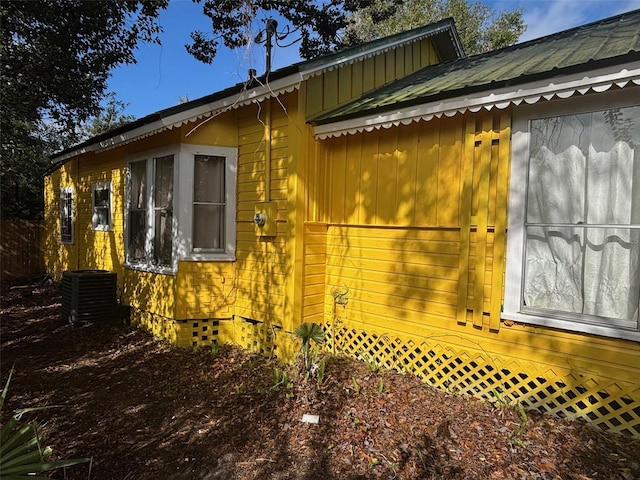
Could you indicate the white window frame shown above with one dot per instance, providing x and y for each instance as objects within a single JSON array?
[
  {"x": 149, "y": 158},
  {"x": 182, "y": 227},
  {"x": 63, "y": 197},
  {"x": 187, "y": 155},
  {"x": 94, "y": 218},
  {"x": 513, "y": 301}
]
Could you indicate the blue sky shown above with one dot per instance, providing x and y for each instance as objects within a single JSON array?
[{"x": 166, "y": 73}]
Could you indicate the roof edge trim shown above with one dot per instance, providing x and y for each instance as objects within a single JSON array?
[
  {"x": 558, "y": 87},
  {"x": 287, "y": 84},
  {"x": 445, "y": 25}
]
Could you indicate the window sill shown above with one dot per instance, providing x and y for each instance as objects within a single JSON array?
[
  {"x": 572, "y": 326},
  {"x": 150, "y": 269},
  {"x": 209, "y": 257}
]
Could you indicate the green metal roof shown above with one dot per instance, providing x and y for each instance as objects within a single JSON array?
[{"x": 599, "y": 44}]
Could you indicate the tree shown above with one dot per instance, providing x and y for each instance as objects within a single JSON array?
[
  {"x": 112, "y": 116},
  {"x": 480, "y": 28},
  {"x": 56, "y": 58},
  {"x": 319, "y": 24}
]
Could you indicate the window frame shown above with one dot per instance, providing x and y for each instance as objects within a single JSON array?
[
  {"x": 63, "y": 192},
  {"x": 148, "y": 265},
  {"x": 188, "y": 155},
  {"x": 513, "y": 308},
  {"x": 183, "y": 191},
  {"x": 96, "y": 226}
]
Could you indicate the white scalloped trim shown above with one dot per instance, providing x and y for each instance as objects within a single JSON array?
[
  {"x": 562, "y": 88},
  {"x": 202, "y": 113}
]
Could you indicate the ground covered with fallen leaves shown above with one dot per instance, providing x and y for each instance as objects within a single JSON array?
[{"x": 142, "y": 409}]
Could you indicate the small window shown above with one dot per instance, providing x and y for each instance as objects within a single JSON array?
[
  {"x": 66, "y": 215},
  {"x": 101, "y": 218},
  {"x": 209, "y": 203}
]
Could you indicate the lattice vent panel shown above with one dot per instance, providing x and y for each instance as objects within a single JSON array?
[
  {"x": 182, "y": 333},
  {"x": 197, "y": 333},
  {"x": 254, "y": 336},
  {"x": 609, "y": 404}
]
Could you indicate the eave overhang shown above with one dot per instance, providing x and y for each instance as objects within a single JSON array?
[
  {"x": 499, "y": 97},
  {"x": 256, "y": 90}
]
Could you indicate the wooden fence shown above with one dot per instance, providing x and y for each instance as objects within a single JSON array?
[{"x": 21, "y": 248}]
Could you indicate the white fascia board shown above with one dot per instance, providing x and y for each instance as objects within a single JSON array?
[{"x": 557, "y": 87}]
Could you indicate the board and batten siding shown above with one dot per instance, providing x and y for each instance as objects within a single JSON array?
[
  {"x": 417, "y": 216},
  {"x": 415, "y": 220},
  {"x": 346, "y": 82}
]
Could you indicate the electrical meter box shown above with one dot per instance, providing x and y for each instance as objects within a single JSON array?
[{"x": 265, "y": 219}]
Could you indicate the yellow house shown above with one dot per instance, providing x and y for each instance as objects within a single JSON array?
[{"x": 472, "y": 220}]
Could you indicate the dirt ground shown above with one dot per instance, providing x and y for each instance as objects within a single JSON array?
[{"x": 141, "y": 409}]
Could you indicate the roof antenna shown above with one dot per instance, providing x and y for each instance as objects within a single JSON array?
[{"x": 266, "y": 36}]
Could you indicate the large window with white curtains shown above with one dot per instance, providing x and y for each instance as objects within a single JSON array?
[{"x": 579, "y": 235}]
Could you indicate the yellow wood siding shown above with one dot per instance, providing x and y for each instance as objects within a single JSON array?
[
  {"x": 58, "y": 256},
  {"x": 262, "y": 262},
  {"x": 335, "y": 87},
  {"x": 415, "y": 234}
]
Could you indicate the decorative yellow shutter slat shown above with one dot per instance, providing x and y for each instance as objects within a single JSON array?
[
  {"x": 465, "y": 217},
  {"x": 483, "y": 212},
  {"x": 499, "y": 245}
]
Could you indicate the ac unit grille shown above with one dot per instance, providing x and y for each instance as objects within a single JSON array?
[{"x": 89, "y": 295}]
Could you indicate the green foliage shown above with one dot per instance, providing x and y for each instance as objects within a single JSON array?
[
  {"x": 356, "y": 385},
  {"x": 480, "y": 28},
  {"x": 318, "y": 25},
  {"x": 309, "y": 332},
  {"x": 56, "y": 59},
  {"x": 112, "y": 116},
  {"x": 22, "y": 454},
  {"x": 515, "y": 433}
]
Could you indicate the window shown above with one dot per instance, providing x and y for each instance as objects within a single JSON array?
[
  {"x": 137, "y": 213},
  {"x": 208, "y": 203},
  {"x": 150, "y": 212},
  {"x": 66, "y": 215},
  {"x": 573, "y": 256},
  {"x": 163, "y": 211},
  {"x": 180, "y": 205},
  {"x": 101, "y": 217}
]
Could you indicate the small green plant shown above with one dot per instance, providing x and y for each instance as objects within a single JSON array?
[
  {"x": 380, "y": 386},
  {"x": 514, "y": 435},
  {"x": 369, "y": 361},
  {"x": 340, "y": 295},
  {"x": 215, "y": 349},
  {"x": 22, "y": 454},
  {"x": 309, "y": 332},
  {"x": 281, "y": 379},
  {"x": 356, "y": 386},
  {"x": 321, "y": 367}
]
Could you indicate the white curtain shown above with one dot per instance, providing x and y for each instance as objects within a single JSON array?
[{"x": 591, "y": 270}]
